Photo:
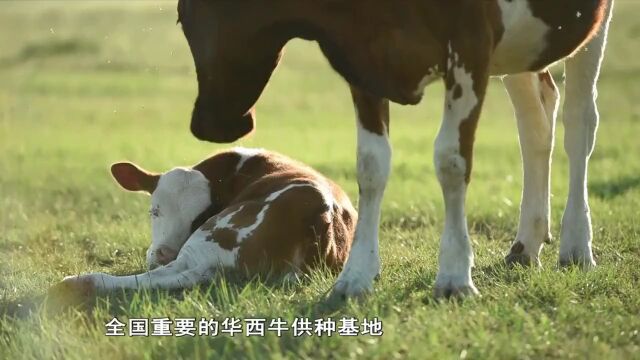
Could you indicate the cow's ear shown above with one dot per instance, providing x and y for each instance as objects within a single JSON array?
[{"x": 133, "y": 178}]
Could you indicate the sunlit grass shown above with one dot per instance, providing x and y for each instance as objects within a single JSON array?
[{"x": 86, "y": 84}]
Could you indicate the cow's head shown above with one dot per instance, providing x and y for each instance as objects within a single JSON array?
[
  {"x": 235, "y": 47},
  {"x": 178, "y": 198}
]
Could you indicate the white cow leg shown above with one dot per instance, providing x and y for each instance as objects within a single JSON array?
[
  {"x": 580, "y": 121},
  {"x": 466, "y": 88},
  {"x": 374, "y": 159},
  {"x": 535, "y": 101}
]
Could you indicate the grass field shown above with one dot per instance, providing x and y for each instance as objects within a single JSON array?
[{"x": 83, "y": 84}]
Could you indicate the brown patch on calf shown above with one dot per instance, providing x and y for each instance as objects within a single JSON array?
[
  {"x": 568, "y": 31},
  {"x": 287, "y": 231},
  {"x": 226, "y": 182},
  {"x": 219, "y": 170},
  {"x": 248, "y": 215},
  {"x": 200, "y": 220},
  {"x": 226, "y": 238},
  {"x": 298, "y": 224}
]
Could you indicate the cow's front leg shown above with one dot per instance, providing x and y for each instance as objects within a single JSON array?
[
  {"x": 466, "y": 82},
  {"x": 374, "y": 161}
]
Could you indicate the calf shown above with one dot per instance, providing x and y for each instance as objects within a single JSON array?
[{"x": 245, "y": 209}]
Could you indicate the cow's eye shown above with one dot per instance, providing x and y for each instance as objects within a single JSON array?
[{"x": 154, "y": 211}]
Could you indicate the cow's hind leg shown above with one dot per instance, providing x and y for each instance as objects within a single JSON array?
[
  {"x": 374, "y": 162},
  {"x": 580, "y": 121},
  {"x": 535, "y": 101}
]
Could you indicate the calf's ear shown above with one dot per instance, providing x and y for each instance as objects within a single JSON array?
[{"x": 133, "y": 178}]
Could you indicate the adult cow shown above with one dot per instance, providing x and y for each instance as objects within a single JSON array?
[{"x": 388, "y": 51}]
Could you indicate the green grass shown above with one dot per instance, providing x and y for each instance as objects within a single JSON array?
[{"x": 83, "y": 84}]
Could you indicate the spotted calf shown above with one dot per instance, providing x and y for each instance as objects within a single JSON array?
[{"x": 244, "y": 209}]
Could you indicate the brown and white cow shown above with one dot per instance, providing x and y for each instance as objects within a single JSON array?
[
  {"x": 245, "y": 209},
  {"x": 388, "y": 51}
]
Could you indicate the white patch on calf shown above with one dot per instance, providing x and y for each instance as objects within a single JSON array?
[
  {"x": 200, "y": 250},
  {"x": 225, "y": 221},
  {"x": 181, "y": 195},
  {"x": 245, "y": 154},
  {"x": 325, "y": 191}
]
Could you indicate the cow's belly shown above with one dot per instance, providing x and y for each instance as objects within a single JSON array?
[{"x": 523, "y": 40}]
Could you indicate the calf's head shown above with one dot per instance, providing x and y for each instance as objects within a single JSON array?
[
  {"x": 236, "y": 45},
  {"x": 178, "y": 198}
]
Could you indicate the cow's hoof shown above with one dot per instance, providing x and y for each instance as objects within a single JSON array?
[
  {"x": 454, "y": 286},
  {"x": 517, "y": 259},
  {"x": 518, "y": 256},
  {"x": 451, "y": 291},
  {"x": 73, "y": 291},
  {"x": 520, "y": 259},
  {"x": 586, "y": 263},
  {"x": 343, "y": 290}
]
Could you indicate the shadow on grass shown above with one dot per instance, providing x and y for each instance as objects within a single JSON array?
[
  {"x": 21, "y": 308},
  {"x": 500, "y": 272},
  {"x": 615, "y": 188},
  {"x": 494, "y": 228},
  {"x": 485, "y": 277},
  {"x": 222, "y": 292},
  {"x": 51, "y": 48}
]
